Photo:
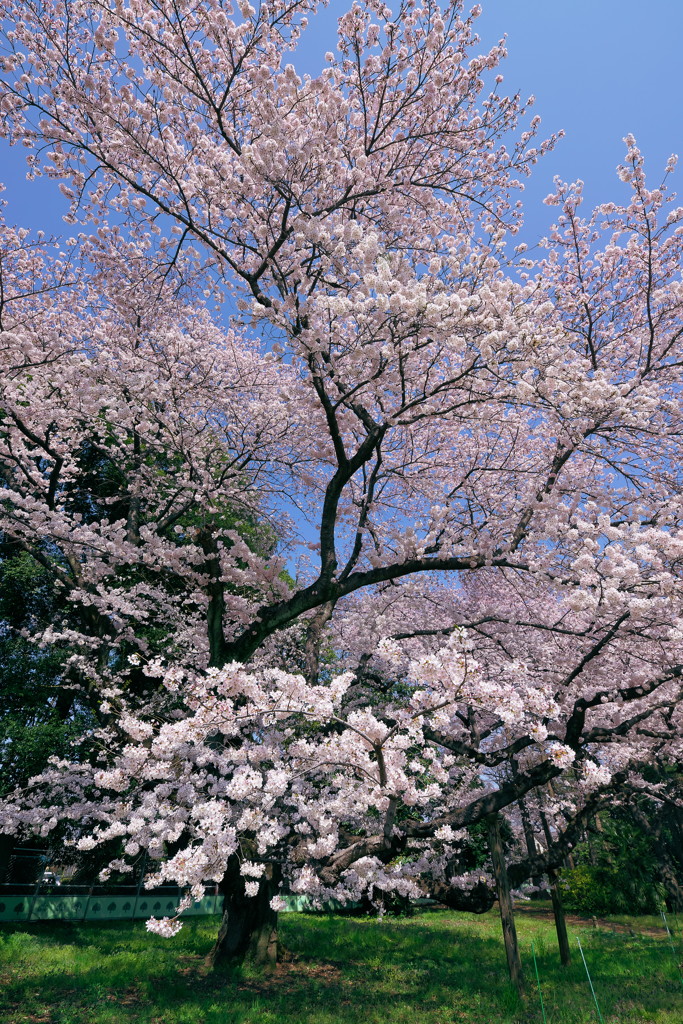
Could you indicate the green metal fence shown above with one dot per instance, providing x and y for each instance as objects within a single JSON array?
[
  {"x": 98, "y": 908},
  {"x": 36, "y": 906}
]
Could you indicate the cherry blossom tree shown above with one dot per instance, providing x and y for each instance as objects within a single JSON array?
[
  {"x": 364, "y": 782},
  {"x": 388, "y": 386},
  {"x": 180, "y": 419}
]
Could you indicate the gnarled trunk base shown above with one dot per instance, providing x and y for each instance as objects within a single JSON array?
[{"x": 248, "y": 929}]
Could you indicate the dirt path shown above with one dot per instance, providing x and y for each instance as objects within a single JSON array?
[{"x": 546, "y": 914}]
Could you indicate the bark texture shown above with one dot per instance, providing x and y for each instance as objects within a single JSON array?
[{"x": 248, "y": 929}]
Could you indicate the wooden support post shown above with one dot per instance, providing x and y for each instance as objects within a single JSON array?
[
  {"x": 560, "y": 923},
  {"x": 528, "y": 835},
  {"x": 558, "y": 909},
  {"x": 505, "y": 903}
]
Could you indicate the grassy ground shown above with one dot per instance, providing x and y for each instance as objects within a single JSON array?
[{"x": 436, "y": 968}]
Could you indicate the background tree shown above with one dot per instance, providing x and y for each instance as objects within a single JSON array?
[{"x": 629, "y": 858}]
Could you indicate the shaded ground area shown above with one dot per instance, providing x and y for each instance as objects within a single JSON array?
[{"x": 438, "y": 967}]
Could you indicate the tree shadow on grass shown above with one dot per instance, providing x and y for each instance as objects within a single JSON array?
[{"x": 334, "y": 971}]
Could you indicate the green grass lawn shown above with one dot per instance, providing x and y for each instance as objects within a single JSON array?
[{"x": 438, "y": 967}]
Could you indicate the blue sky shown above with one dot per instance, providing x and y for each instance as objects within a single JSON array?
[{"x": 598, "y": 69}]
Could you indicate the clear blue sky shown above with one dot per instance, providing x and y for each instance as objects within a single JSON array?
[{"x": 598, "y": 69}]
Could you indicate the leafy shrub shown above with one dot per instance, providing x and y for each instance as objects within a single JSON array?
[{"x": 617, "y": 873}]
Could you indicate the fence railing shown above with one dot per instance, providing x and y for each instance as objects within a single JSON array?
[
  {"x": 96, "y": 903},
  {"x": 40, "y": 902}
]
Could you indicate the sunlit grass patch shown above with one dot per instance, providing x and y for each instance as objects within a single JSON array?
[{"x": 435, "y": 968}]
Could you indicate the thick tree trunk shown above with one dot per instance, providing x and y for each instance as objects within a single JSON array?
[
  {"x": 248, "y": 929},
  {"x": 507, "y": 916},
  {"x": 6, "y": 847}
]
